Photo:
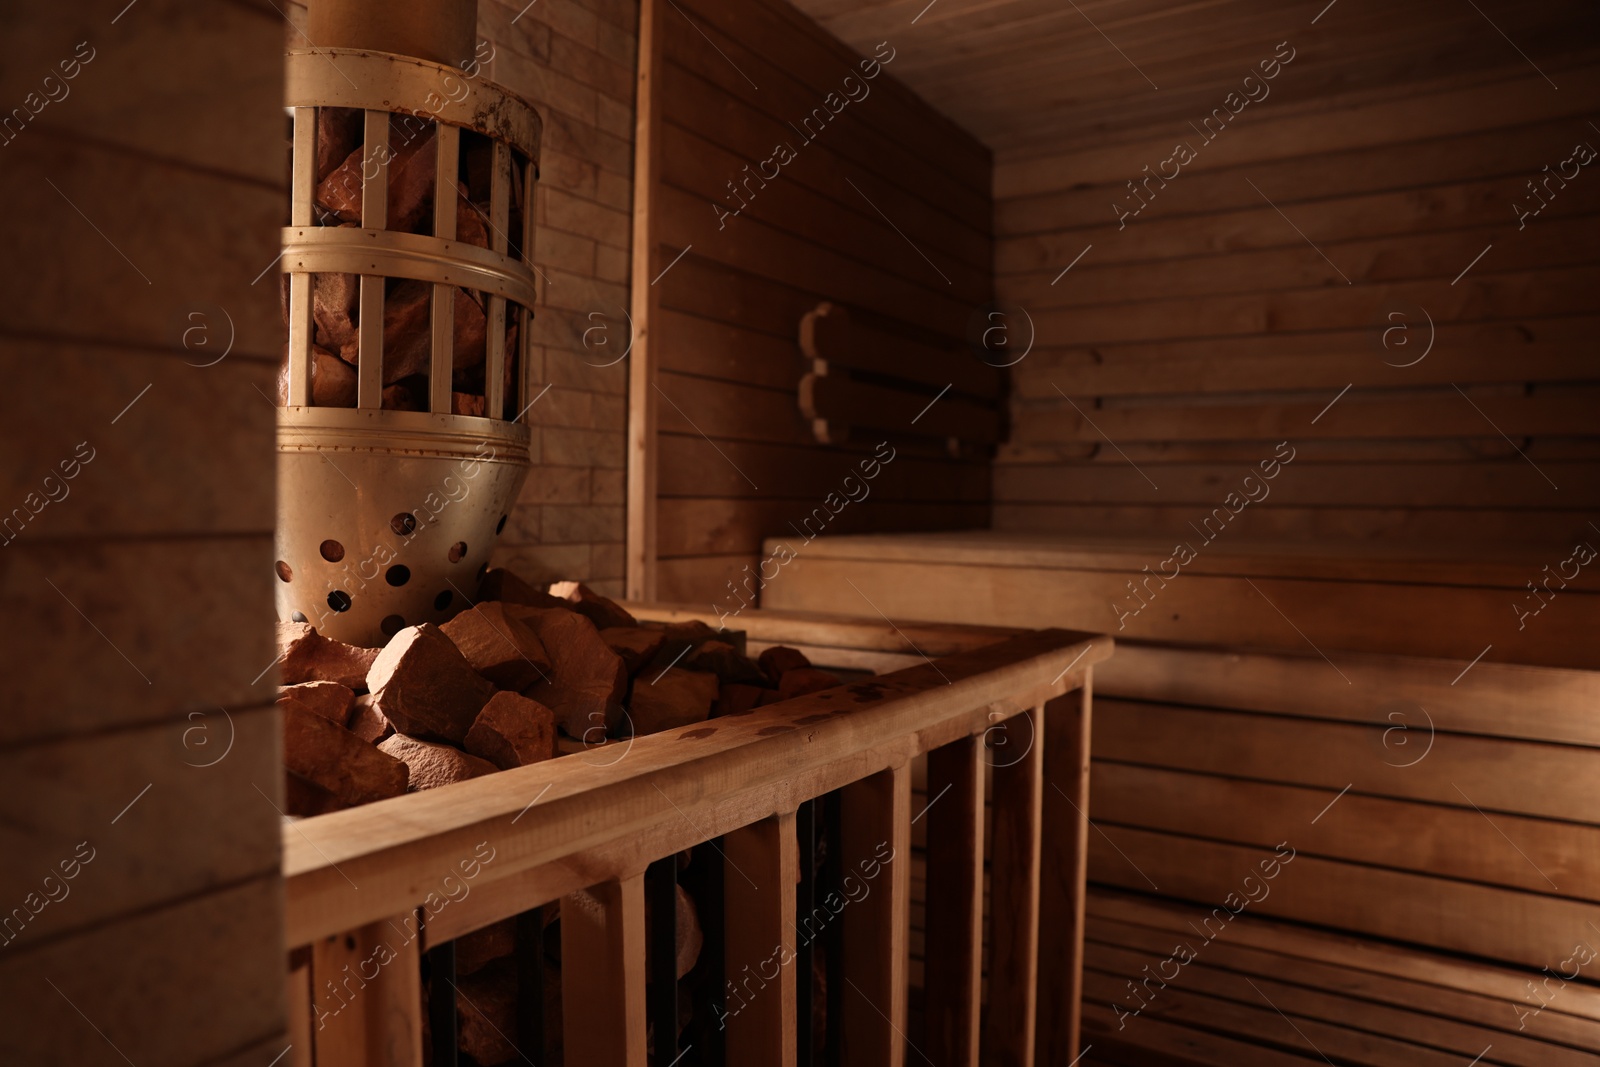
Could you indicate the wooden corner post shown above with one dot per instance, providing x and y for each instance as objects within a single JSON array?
[
  {"x": 640, "y": 568},
  {"x": 1063, "y": 872}
]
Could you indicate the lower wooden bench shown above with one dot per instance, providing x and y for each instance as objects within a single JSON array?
[
  {"x": 1436, "y": 768},
  {"x": 1267, "y": 992}
]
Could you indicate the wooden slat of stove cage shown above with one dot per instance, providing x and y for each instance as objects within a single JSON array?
[
  {"x": 953, "y": 954},
  {"x": 522, "y": 384},
  {"x": 758, "y": 880},
  {"x": 875, "y": 852},
  {"x": 494, "y": 389},
  {"x": 376, "y": 1021},
  {"x": 446, "y": 161},
  {"x": 302, "y": 186},
  {"x": 374, "y": 216},
  {"x": 1015, "y": 801},
  {"x": 603, "y": 974}
]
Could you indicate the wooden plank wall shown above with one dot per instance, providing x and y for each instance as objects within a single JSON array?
[
  {"x": 1196, "y": 335},
  {"x": 140, "y": 896},
  {"x": 1204, "y": 763},
  {"x": 884, "y": 208}
]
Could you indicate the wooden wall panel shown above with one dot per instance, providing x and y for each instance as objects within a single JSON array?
[
  {"x": 1247, "y": 304},
  {"x": 885, "y": 208},
  {"x": 140, "y": 895}
]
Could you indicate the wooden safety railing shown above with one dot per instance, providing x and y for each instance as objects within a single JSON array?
[{"x": 373, "y": 891}]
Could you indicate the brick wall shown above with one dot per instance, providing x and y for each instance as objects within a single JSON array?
[{"x": 575, "y": 63}]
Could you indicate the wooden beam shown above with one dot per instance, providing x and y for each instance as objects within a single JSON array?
[
  {"x": 829, "y": 332},
  {"x": 875, "y": 850},
  {"x": 763, "y": 865},
  {"x": 602, "y": 974},
  {"x": 839, "y": 631},
  {"x": 1204, "y": 608},
  {"x": 642, "y": 403}
]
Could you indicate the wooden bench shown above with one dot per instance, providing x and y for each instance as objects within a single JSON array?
[
  {"x": 1442, "y": 807},
  {"x": 1353, "y": 1001},
  {"x": 596, "y": 832}
]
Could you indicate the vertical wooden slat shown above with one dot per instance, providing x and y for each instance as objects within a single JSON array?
[
  {"x": 1063, "y": 873},
  {"x": 447, "y": 156},
  {"x": 602, "y": 974},
  {"x": 875, "y": 850},
  {"x": 500, "y": 198},
  {"x": 530, "y": 983},
  {"x": 640, "y": 567},
  {"x": 369, "y": 344},
  {"x": 1015, "y": 803},
  {"x": 806, "y": 931},
  {"x": 300, "y": 338},
  {"x": 494, "y": 370},
  {"x": 302, "y": 184},
  {"x": 832, "y": 939},
  {"x": 758, "y": 883},
  {"x": 661, "y": 890},
  {"x": 303, "y": 179},
  {"x": 374, "y": 216},
  {"x": 442, "y": 1000},
  {"x": 953, "y": 954},
  {"x": 711, "y": 906},
  {"x": 375, "y": 171},
  {"x": 367, "y": 996},
  {"x": 524, "y": 383},
  {"x": 299, "y": 994}
]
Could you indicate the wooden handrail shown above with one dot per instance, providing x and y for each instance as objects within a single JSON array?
[
  {"x": 352, "y": 867},
  {"x": 568, "y": 828}
]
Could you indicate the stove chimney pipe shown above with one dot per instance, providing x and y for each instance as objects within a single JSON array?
[{"x": 441, "y": 31}]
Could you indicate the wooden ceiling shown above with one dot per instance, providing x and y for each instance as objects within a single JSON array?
[{"x": 1032, "y": 77}]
